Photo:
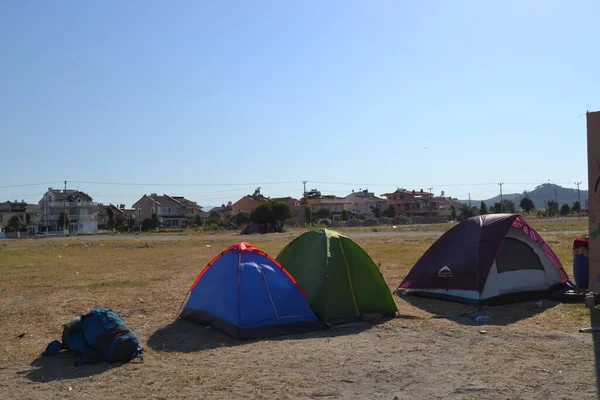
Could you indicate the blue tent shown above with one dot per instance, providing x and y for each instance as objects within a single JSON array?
[{"x": 247, "y": 294}]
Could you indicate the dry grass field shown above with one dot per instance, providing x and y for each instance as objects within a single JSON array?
[{"x": 432, "y": 350}]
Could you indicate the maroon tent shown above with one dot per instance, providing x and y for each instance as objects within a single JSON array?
[{"x": 487, "y": 259}]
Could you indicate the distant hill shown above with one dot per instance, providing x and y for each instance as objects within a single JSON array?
[{"x": 539, "y": 195}]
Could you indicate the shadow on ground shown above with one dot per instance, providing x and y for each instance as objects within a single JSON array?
[
  {"x": 186, "y": 337},
  {"x": 463, "y": 314},
  {"x": 61, "y": 367}
]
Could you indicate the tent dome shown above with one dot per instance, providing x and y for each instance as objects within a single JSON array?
[
  {"x": 247, "y": 294},
  {"x": 487, "y": 259},
  {"x": 339, "y": 277}
]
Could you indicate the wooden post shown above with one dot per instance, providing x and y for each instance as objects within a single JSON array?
[{"x": 593, "y": 136}]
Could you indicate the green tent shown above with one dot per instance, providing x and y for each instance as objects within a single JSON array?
[{"x": 340, "y": 278}]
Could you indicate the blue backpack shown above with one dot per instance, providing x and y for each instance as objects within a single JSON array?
[{"x": 98, "y": 335}]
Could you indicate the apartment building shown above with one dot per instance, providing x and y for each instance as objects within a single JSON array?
[{"x": 78, "y": 206}]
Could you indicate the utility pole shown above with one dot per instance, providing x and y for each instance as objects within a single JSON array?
[
  {"x": 469, "y": 200},
  {"x": 578, "y": 193},
  {"x": 306, "y": 205},
  {"x": 501, "y": 199},
  {"x": 430, "y": 190},
  {"x": 65, "y": 212},
  {"x": 556, "y": 196}
]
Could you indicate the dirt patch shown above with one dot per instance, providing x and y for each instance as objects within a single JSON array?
[{"x": 432, "y": 350}]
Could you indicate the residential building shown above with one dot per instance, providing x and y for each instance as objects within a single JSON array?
[
  {"x": 247, "y": 203},
  {"x": 172, "y": 211},
  {"x": 315, "y": 201},
  {"x": 80, "y": 208},
  {"x": 117, "y": 212},
  {"x": 292, "y": 202},
  {"x": 9, "y": 209},
  {"x": 191, "y": 208},
  {"x": 217, "y": 214},
  {"x": 412, "y": 203},
  {"x": 169, "y": 211},
  {"x": 445, "y": 204},
  {"x": 32, "y": 218},
  {"x": 363, "y": 202},
  {"x": 296, "y": 207},
  {"x": 27, "y": 213}
]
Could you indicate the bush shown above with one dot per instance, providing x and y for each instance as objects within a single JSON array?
[
  {"x": 401, "y": 220},
  {"x": 353, "y": 223},
  {"x": 370, "y": 222},
  {"x": 384, "y": 220},
  {"x": 211, "y": 228}
]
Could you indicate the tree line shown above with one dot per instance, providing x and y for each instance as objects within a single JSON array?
[{"x": 508, "y": 206}]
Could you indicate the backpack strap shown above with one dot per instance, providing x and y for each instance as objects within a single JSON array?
[{"x": 53, "y": 349}]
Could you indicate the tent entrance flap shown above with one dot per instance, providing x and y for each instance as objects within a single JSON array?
[{"x": 515, "y": 255}]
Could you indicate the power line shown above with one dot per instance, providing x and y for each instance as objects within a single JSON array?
[
  {"x": 183, "y": 184},
  {"x": 29, "y": 184},
  {"x": 272, "y": 183}
]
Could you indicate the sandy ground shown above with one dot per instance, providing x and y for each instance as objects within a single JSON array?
[
  {"x": 393, "y": 359},
  {"x": 432, "y": 350}
]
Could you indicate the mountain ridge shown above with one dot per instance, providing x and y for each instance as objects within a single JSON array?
[{"x": 539, "y": 195}]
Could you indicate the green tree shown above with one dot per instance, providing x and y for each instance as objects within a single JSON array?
[
  {"x": 376, "y": 211},
  {"x": 551, "y": 208},
  {"x": 509, "y": 206},
  {"x": 344, "y": 215},
  {"x": 198, "y": 220},
  {"x": 322, "y": 214},
  {"x": 281, "y": 213},
  {"x": 242, "y": 218},
  {"x": 155, "y": 221},
  {"x": 262, "y": 214},
  {"x": 576, "y": 207},
  {"x": 389, "y": 212},
  {"x": 214, "y": 218},
  {"x": 120, "y": 222},
  {"x": 307, "y": 215},
  {"x": 565, "y": 210},
  {"x": 483, "y": 208},
  {"x": 147, "y": 224},
  {"x": 467, "y": 212},
  {"x": 453, "y": 213},
  {"x": 63, "y": 220},
  {"x": 497, "y": 208},
  {"x": 15, "y": 224},
  {"x": 130, "y": 224},
  {"x": 527, "y": 205},
  {"x": 111, "y": 218}
]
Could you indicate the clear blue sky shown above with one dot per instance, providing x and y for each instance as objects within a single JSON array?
[{"x": 442, "y": 94}]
